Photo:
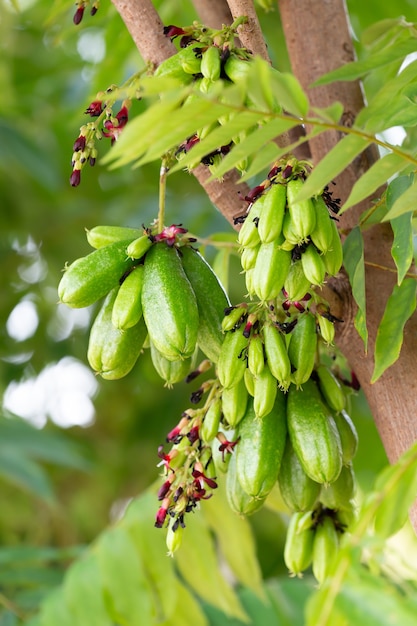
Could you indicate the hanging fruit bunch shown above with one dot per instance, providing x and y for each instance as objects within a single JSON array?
[{"x": 275, "y": 411}]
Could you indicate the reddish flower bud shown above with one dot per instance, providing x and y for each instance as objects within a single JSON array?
[
  {"x": 193, "y": 435},
  {"x": 94, "y": 109},
  {"x": 173, "y": 31},
  {"x": 161, "y": 514},
  {"x": 75, "y": 178},
  {"x": 78, "y": 16},
  {"x": 79, "y": 144}
]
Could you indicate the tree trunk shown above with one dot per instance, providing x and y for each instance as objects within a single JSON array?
[{"x": 318, "y": 40}]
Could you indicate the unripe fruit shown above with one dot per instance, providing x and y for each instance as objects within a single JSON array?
[
  {"x": 233, "y": 317},
  {"x": 248, "y": 236},
  {"x": 211, "y": 301},
  {"x": 169, "y": 303},
  {"x": 236, "y": 69},
  {"x": 303, "y": 214},
  {"x": 339, "y": 494},
  {"x": 127, "y": 308},
  {"x": 112, "y": 352},
  {"x": 271, "y": 269},
  {"x": 260, "y": 449},
  {"x": 272, "y": 214},
  {"x": 291, "y": 237},
  {"x": 172, "y": 67},
  {"x": 277, "y": 355},
  {"x": 137, "y": 248},
  {"x": 327, "y": 329},
  {"x": 234, "y": 403},
  {"x": 256, "y": 357},
  {"x": 298, "y": 551},
  {"x": 325, "y": 548},
  {"x": 302, "y": 348},
  {"x": 333, "y": 258},
  {"x": 348, "y": 436},
  {"x": 232, "y": 359},
  {"x": 296, "y": 284},
  {"x": 170, "y": 371},
  {"x": 313, "y": 433},
  {"x": 210, "y": 426},
  {"x": 313, "y": 265},
  {"x": 331, "y": 388},
  {"x": 90, "y": 278},
  {"x": 249, "y": 382},
  {"x": 210, "y": 63},
  {"x": 101, "y": 236},
  {"x": 299, "y": 491},
  {"x": 265, "y": 392},
  {"x": 322, "y": 235},
  {"x": 239, "y": 501},
  {"x": 248, "y": 257}
]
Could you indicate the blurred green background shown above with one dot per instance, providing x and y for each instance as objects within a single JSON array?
[{"x": 93, "y": 445}]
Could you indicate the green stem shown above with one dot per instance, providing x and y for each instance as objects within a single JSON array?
[{"x": 163, "y": 172}]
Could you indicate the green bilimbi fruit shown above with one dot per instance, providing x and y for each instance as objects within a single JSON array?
[
  {"x": 234, "y": 403},
  {"x": 256, "y": 357},
  {"x": 299, "y": 491},
  {"x": 327, "y": 329},
  {"x": 313, "y": 265},
  {"x": 277, "y": 355},
  {"x": 169, "y": 303},
  {"x": 127, "y": 308},
  {"x": 249, "y": 282},
  {"x": 302, "y": 348},
  {"x": 90, "y": 278},
  {"x": 210, "y": 63},
  {"x": 232, "y": 359},
  {"x": 112, "y": 353},
  {"x": 292, "y": 239},
  {"x": 249, "y": 382},
  {"x": 260, "y": 449},
  {"x": 333, "y": 258},
  {"x": 339, "y": 494},
  {"x": 265, "y": 392},
  {"x": 233, "y": 317},
  {"x": 298, "y": 550},
  {"x": 325, "y": 548},
  {"x": 101, "y": 236},
  {"x": 170, "y": 371},
  {"x": 139, "y": 247},
  {"x": 271, "y": 269},
  {"x": 322, "y": 235},
  {"x": 313, "y": 433},
  {"x": 191, "y": 61},
  {"x": 236, "y": 69},
  {"x": 239, "y": 501},
  {"x": 348, "y": 436},
  {"x": 173, "y": 66},
  {"x": 272, "y": 214},
  {"x": 331, "y": 388},
  {"x": 303, "y": 214},
  {"x": 248, "y": 236},
  {"x": 248, "y": 257},
  {"x": 296, "y": 284},
  {"x": 211, "y": 301},
  {"x": 211, "y": 422}
]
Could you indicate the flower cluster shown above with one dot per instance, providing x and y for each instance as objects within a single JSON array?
[{"x": 81, "y": 6}]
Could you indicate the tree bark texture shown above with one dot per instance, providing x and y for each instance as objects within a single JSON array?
[{"x": 318, "y": 40}]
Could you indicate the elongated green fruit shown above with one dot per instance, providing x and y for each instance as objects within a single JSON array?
[
  {"x": 322, "y": 235},
  {"x": 298, "y": 550},
  {"x": 211, "y": 301},
  {"x": 127, "y": 308},
  {"x": 331, "y": 388},
  {"x": 299, "y": 491},
  {"x": 139, "y": 247},
  {"x": 277, "y": 355},
  {"x": 292, "y": 238},
  {"x": 232, "y": 359},
  {"x": 236, "y": 69},
  {"x": 112, "y": 353},
  {"x": 233, "y": 317},
  {"x": 348, "y": 436},
  {"x": 296, "y": 284},
  {"x": 303, "y": 214},
  {"x": 265, "y": 392},
  {"x": 248, "y": 257},
  {"x": 302, "y": 348},
  {"x": 327, "y": 329},
  {"x": 170, "y": 371},
  {"x": 272, "y": 214},
  {"x": 101, "y": 236},
  {"x": 239, "y": 501},
  {"x": 211, "y": 421},
  {"x": 313, "y": 266},
  {"x": 256, "y": 357},
  {"x": 90, "y": 278},
  {"x": 260, "y": 449},
  {"x": 234, "y": 403},
  {"x": 333, "y": 258},
  {"x": 210, "y": 63},
  {"x": 249, "y": 382},
  {"x": 339, "y": 494},
  {"x": 191, "y": 60},
  {"x": 173, "y": 66},
  {"x": 271, "y": 269},
  {"x": 325, "y": 548},
  {"x": 313, "y": 433},
  {"x": 248, "y": 236},
  {"x": 169, "y": 303}
]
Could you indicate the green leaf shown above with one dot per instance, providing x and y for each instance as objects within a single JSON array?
[
  {"x": 400, "y": 306},
  {"x": 289, "y": 93},
  {"x": 236, "y": 541},
  {"x": 55, "y": 611},
  {"x": 187, "y": 611},
  {"x": 331, "y": 114},
  {"x": 405, "y": 203},
  {"x": 124, "y": 579},
  {"x": 357, "y": 69},
  {"x": 402, "y": 247},
  {"x": 333, "y": 163},
  {"x": 220, "y": 266},
  {"x": 25, "y": 473},
  {"x": 372, "y": 179},
  {"x": 83, "y": 593},
  {"x": 354, "y": 263},
  {"x": 253, "y": 143},
  {"x": 199, "y": 567}
]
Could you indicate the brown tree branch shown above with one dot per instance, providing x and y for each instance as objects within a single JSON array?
[
  {"x": 250, "y": 34},
  {"x": 318, "y": 40},
  {"x": 213, "y": 13}
]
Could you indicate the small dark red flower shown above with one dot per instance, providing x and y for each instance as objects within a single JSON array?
[
  {"x": 162, "y": 513},
  {"x": 94, "y": 109},
  {"x": 78, "y": 15},
  {"x": 79, "y": 143},
  {"x": 200, "y": 478},
  {"x": 226, "y": 446},
  {"x": 172, "y": 31},
  {"x": 75, "y": 178}
]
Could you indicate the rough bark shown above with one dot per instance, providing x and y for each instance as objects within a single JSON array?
[
  {"x": 213, "y": 13},
  {"x": 316, "y": 46}
]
